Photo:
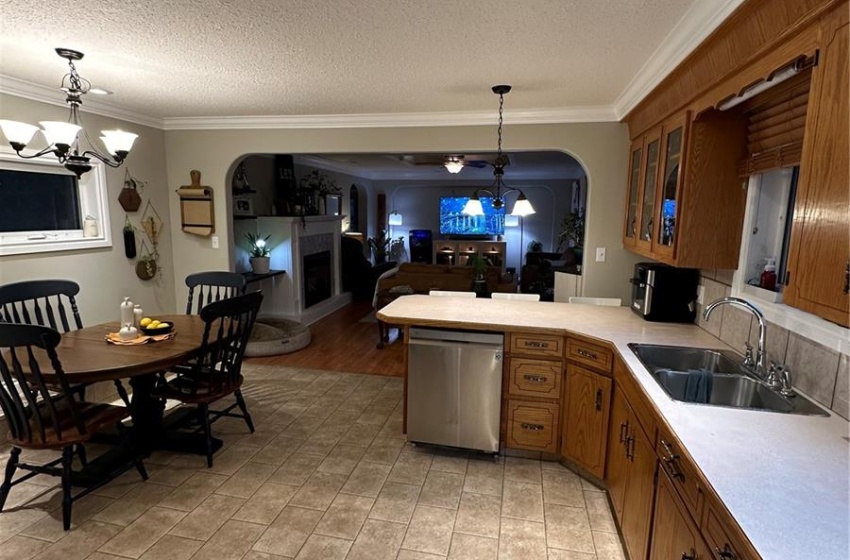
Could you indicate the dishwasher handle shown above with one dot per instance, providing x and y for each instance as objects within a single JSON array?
[{"x": 455, "y": 344}]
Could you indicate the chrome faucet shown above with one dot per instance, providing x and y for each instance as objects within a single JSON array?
[{"x": 761, "y": 352}]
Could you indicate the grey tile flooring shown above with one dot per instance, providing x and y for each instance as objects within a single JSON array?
[{"x": 327, "y": 475}]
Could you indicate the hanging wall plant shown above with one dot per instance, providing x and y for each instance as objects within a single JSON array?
[{"x": 129, "y": 198}]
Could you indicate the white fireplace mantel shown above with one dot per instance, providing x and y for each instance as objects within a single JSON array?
[{"x": 291, "y": 239}]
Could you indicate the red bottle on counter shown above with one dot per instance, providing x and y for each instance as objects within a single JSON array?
[{"x": 768, "y": 276}]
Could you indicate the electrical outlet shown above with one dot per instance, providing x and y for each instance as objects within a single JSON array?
[
  {"x": 701, "y": 295},
  {"x": 600, "y": 254},
  {"x": 215, "y": 242}
]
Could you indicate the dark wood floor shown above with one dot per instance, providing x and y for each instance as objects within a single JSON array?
[{"x": 341, "y": 342}]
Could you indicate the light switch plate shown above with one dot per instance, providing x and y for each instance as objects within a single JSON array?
[
  {"x": 215, "y": 242},
  {"x": 600, "y": 254},
  {"x": 701, "y": 295}
]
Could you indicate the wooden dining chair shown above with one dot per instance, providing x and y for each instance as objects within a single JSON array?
[
  {"x": 49, "y": 303},
  {"x": 212, "y": 286},
  {"x": 42, "y": 416},
  {"x": 216, "y": 372}
]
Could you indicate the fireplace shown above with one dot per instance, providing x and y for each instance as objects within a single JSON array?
[{"x": 317, "y": 278}]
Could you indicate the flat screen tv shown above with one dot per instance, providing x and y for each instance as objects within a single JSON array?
[{"x": 455, "y": 223}]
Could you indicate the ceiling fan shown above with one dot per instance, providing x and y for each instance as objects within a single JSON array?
[{"x": 454, "y": 163}]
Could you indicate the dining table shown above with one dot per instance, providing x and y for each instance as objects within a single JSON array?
[{"x": 87, "y": 357}]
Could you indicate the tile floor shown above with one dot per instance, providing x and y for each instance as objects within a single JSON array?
[{"x": 326, "y": 476}]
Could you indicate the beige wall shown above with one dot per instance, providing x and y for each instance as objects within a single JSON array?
[
  {"x": 602, "y": 148},
  {"x": 105, "y": 275}
]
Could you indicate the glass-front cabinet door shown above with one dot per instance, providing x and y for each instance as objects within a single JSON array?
[
  {"x": 646, "y": 225},
  {"x": 667, "y": 211},
  {"x": 631, "y": 225}
]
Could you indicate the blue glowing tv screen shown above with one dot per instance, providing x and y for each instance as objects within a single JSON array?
[{"x": 454, "y": 222}]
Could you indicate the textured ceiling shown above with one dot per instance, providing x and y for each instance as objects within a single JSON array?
[{"x": 182, "y": 58}]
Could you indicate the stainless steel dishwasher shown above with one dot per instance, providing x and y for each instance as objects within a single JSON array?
[{"x": 454, "y": 388}]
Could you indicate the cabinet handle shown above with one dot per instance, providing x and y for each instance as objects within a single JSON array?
[
  {"x": 599, "y": 399},
  {"x": 586, "y": 354},
  {"x": 726, "y": 553},
  {"x": 847, "y": 278},
  {"x": 671, "y": 462},
  {"x": 535, "y": 378},
  {"x": 630, "y": 448},
  {"x": 532, "y": 427},
  {"x": 692, "y": 555},
  {"x": 624, "y": 427}
]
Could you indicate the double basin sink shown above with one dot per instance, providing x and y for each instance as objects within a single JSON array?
[{"x": 730, "y": 384}]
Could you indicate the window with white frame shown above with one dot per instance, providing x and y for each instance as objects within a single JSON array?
[{"x": 44, "y": 208}]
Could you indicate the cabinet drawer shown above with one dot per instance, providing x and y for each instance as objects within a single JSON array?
[
  {"x": 537, "y": 345},
  {"x": 589, "y": 354},
  {"x": 532, "y": 426},
  {"x": 535, "y": 378},
  {"x": 682, "y": 472},
  {"x": 723, "y": 540}
]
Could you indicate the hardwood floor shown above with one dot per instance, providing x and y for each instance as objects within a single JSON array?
[{"x": 341, "y": 342}]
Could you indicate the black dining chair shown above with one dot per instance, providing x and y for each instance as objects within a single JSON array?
[
  {"x": 49, "y": 303},
  {"x": 212, "y": 286},
  {"x": 42, "y": 412},
  {"x": 217, "y": 371}
]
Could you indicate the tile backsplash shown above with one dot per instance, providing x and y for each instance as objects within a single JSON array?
[{"x": 821, "y": 373}]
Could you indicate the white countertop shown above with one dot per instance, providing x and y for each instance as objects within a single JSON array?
[{"x": 785, "y": 478}]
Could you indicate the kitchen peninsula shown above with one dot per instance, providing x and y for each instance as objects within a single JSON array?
[{"x": 723, "y": 483}]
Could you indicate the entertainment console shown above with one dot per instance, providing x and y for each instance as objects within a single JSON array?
[{"x": 458, "y": 252}]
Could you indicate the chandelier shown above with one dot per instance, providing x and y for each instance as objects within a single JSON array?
[
  {"x": 63, "y": 137},
  {"x": 498, "y": 190}
]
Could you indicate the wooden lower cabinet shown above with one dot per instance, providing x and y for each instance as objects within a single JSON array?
[
  {"x": 630, "y": 475},
  {"x": 532, "y": 426},
  {"x": 585, "y": 422},
  {"x": 674, "y": 536}
]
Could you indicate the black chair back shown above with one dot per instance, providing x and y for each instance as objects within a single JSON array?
[
  {"x": 34, "y": 408},
  {"x": 228, "y": 325},
  {"x": 41, "y": 302},
  {"x": 213, "y": 286}
]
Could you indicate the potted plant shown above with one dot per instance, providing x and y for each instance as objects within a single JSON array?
[
  {"x": 479, "y": 266},
  {"x": 316, "y": 186},
  {"x": 379, "y": 245},
  {"x": 259, "y": 251},
  {"x": 572, "y": 233}
]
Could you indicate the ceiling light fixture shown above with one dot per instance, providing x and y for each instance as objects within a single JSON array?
[
  {"x": 454, "y": 164},
  {"x": 63, "y": 137},
  {"x": 522, "y": 206}
]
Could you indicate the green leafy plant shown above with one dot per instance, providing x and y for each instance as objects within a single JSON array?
[
  {"x": 479, "y": 266},
  {"x": 379, "y": 245},
  {"x": 258, "y": 245},
  {"x": 320, "y": 183},
  {"x": 572, "y": 229}
]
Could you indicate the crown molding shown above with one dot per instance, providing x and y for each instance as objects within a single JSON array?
[
  {"x": 698, "y": 22},
  {"x": 52, "y": 96},
  {"x": 394, "y": 120}
]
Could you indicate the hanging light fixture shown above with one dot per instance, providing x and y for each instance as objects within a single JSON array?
[
  {"x": 454, "y": 164},
  {"x": 498, "y": 190},
  {"x": 63, "y": 137}
]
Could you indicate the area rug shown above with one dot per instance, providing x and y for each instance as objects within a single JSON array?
[{"x": 271, "y": 337}]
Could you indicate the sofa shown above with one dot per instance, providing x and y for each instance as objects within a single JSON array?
[{"x": 420, "y": 278}]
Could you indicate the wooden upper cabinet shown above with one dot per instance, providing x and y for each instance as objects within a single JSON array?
[
  {"x": 687, "y": 212},
  {"x": 630, "y": 228},
  {"x": 669, "y": 188},
  {"x": 819, "y": 263},
  {"x": 648, "y": 190}
]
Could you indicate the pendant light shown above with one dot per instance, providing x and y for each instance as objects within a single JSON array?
[{"x": 498, "y": 190}]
